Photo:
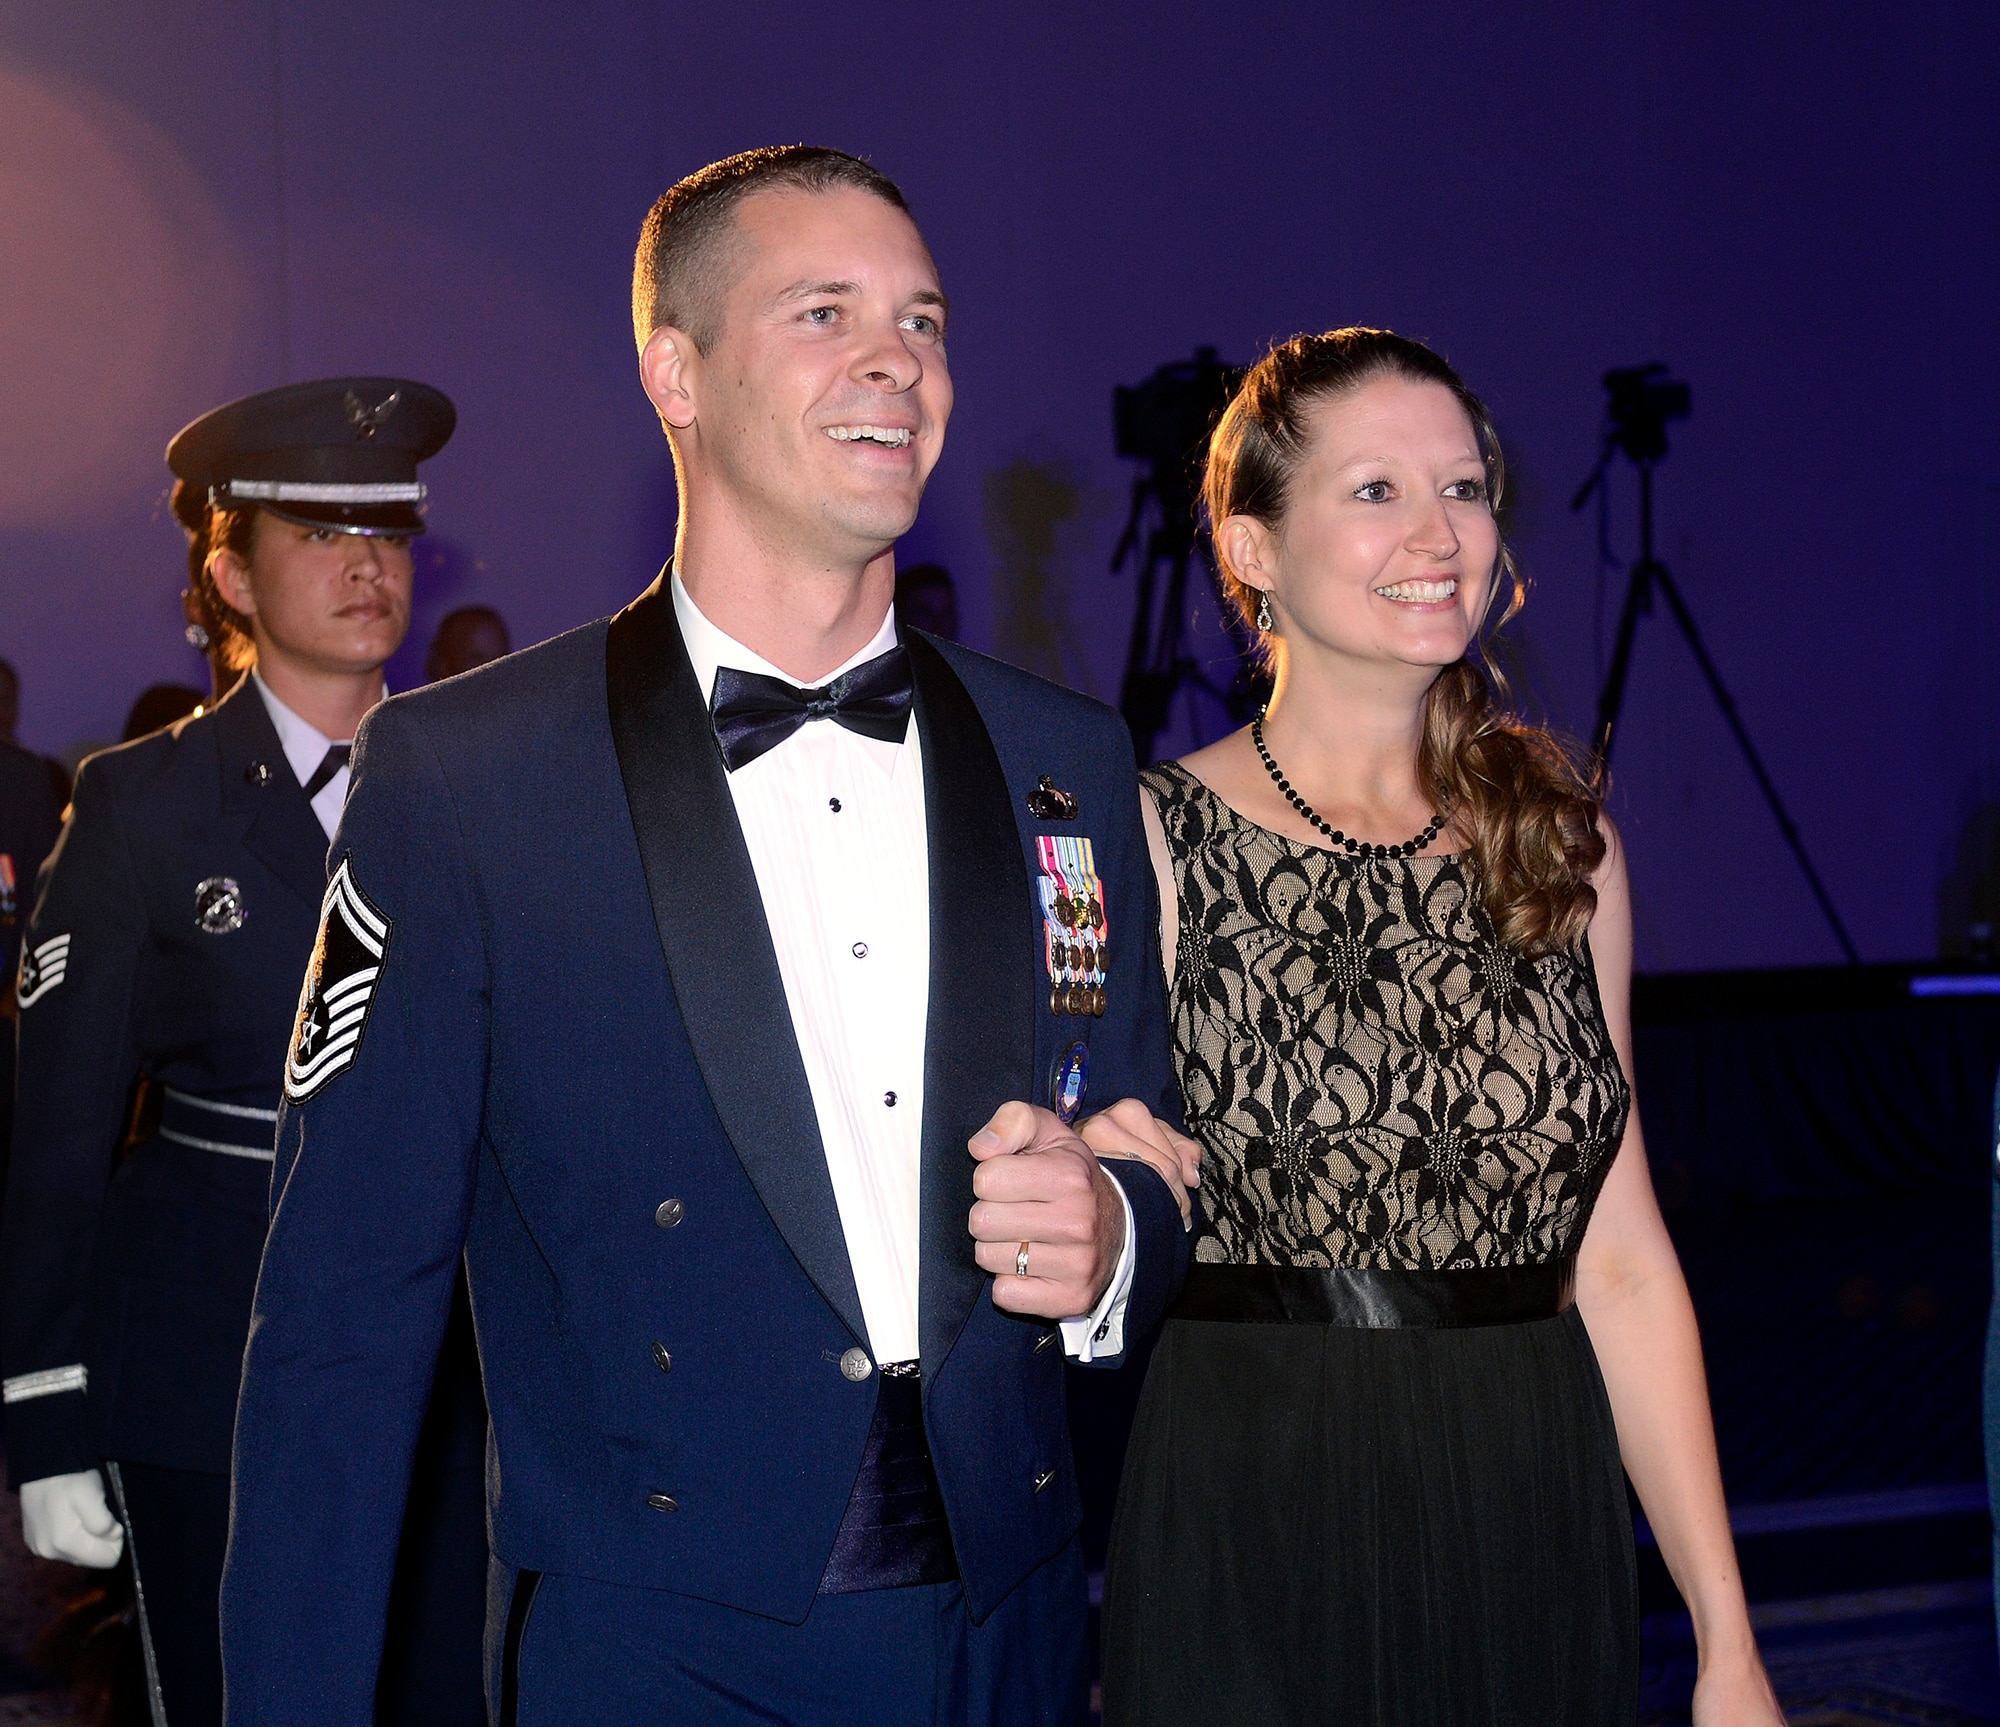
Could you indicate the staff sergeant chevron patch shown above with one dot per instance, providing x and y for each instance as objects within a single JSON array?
[
  {"x": 340, "y": 984},
  {"x": 42, "y": 968}
]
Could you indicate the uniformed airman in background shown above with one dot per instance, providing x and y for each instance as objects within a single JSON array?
[
  {"x": 468, "y": 638},
  {"x": 156, "y": 994},
  {"x": 32, "y": 795}
]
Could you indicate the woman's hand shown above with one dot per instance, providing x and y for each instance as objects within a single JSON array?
[
  {"x": 1736, "y": 1694},
  {"x": 1129, "y": 1129}
]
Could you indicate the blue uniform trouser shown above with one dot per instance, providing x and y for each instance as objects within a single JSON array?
[
  {"x": 178, "y": 1527},
  {"x": 588, "y": 1654}
]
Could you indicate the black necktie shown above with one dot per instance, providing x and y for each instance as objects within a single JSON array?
[
  {"x": 752, "y": 713},
  {"x": 330, "y": 764}
]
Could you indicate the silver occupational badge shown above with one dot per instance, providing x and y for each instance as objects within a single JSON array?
[
  {"x": 340, "y": 984},
  {"x": 218, "y": 905}
]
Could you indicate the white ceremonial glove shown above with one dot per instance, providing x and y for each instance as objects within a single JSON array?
[{"x": 66, "y": 1517}]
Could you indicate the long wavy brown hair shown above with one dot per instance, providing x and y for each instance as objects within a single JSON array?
[{"x": 1515, "y": 790}]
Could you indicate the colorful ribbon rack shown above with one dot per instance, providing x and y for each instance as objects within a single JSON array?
[{"x": 1073, "y": 924}]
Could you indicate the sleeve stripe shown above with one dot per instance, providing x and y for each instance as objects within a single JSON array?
[
  {"x": 372, "y": 930},
  {"x": 44, "y": 1384},
  {"x": 325, "y": 1064},
  {"x": 362, "y": 981},
  {"x": 42, "y": 968}
]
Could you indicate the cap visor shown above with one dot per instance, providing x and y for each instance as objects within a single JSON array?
[{"x": 401, "y": 519}]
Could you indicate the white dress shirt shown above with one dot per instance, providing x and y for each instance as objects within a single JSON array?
[
  {"x": 305, "y": 747},
  {"x": 834, "y": 823}
]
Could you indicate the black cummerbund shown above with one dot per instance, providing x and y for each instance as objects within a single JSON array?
[
  {"x": 894, "y": 1534},
  {"x": 1379, "y": 1300}
]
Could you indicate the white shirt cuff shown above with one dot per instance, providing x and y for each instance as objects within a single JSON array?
[{"x": 1102, "y": 1330}]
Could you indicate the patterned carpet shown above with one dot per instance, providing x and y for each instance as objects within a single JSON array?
[
  {"x": 1919, "y": 1655},
  {"x": 1844, "y": 1343}
]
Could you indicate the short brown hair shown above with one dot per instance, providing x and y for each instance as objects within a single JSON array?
[
  {"x": 210, "y": 527},
  {"x": 675, "y": 279},
  {"x": 1529, "y": 812}
]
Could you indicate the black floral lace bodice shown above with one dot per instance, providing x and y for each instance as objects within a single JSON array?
[{"x": 1374, "y": 1080}]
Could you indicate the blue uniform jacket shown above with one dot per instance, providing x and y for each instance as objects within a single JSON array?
[
  {"x": 127, "y": 1283},
  {"x": 31, "y": 805},
  {"x": 577, "y": 1018},
  {"x": 32, "y": 795}
]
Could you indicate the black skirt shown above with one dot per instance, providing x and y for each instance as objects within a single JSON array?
[{"x": 1389, "y": 1528}]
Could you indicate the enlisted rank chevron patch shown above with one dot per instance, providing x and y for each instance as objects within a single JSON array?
[
  {"x": 340, "y": 984},
  {"x": 43, "y": 966}
]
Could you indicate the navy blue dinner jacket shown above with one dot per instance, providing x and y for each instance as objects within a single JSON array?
[{"x": 557, "y": 1038}]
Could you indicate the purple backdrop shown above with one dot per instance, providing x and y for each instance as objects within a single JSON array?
[{"x": 1794, "y": 207}]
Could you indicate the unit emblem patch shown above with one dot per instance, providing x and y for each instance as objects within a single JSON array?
[
  {"x": 340, "y": 985},
  {"x": 1072, "y": 1078},
  {"x": 42, "y": 967},
  {"x": 218, "y": 905}
]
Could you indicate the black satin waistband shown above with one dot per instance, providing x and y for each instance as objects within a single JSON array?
[
  {"x": 894, "y": 1534},
  {"x": 1379, "y": 1300}
]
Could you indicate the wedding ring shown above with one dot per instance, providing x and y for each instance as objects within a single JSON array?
[{"x": 1021, "y": 1261}]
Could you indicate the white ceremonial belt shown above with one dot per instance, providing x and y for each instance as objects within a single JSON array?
[
  {"x": 226, "y": 1149},
  {"x": 241, "y": 1110},
  {"x": 46, "y": 1383},
  {"x": 175, "y": 1125}
]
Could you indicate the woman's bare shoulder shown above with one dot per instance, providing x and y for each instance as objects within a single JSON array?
[
  {"x": 1610, "y": 874},
  {"x": 1221, "y": 765}
]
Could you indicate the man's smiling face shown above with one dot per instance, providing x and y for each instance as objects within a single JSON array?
[{"x": 820, "y": 405}]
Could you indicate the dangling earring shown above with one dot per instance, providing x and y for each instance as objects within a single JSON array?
[
  {"x": 197, "y": 638},
  {"x": 1264, "y": 612}
]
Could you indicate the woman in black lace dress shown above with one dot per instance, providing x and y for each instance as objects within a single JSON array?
[{"x": 1376, "y": 1473}]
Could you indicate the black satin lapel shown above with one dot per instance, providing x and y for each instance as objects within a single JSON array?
[
  {"x": 718, "y": 944},
  {"x": 282, "y": 831},
  {"x": 979, "y": 1044}
]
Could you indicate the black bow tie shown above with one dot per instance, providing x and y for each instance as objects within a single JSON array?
[{"x": 752, "y": 713}]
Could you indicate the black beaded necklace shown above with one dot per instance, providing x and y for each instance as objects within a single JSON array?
[{"x": 1355, "y": 848}]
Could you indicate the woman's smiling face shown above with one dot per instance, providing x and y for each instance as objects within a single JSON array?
[{"x": 1387, "y": 549}]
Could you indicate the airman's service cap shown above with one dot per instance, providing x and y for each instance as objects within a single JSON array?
[{"x": 335, "y": 453}]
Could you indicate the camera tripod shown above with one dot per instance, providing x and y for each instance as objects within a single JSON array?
[
  {"x": 1642, "y": 401},
  {"x": 1165, "y": 423}
]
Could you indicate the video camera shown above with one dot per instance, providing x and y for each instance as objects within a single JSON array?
[
  {"x": 1643, "y": 400},
  {"x": 1167, "y": 419}
]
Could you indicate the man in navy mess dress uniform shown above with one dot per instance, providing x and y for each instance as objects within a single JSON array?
[{"x": 722, "y": 978}]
